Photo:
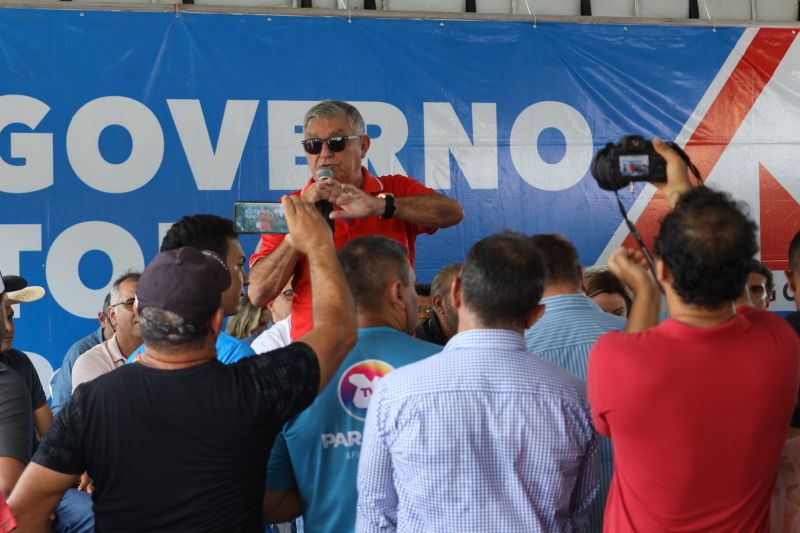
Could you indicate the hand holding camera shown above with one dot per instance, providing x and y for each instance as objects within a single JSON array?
[{"x": 664, "y": 164}]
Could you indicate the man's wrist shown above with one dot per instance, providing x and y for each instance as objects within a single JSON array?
[{"x": 389, "y": 205}]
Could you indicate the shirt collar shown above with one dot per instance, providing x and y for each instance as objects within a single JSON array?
[
  {"x": 370, "y": 184},
  {"x": 579, "y": 301},
  {"x": 499, "y": 339},
  {"x": 112, "y": 346}
]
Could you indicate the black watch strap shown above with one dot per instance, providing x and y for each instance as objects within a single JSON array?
[{"x": 388, "y": 211}]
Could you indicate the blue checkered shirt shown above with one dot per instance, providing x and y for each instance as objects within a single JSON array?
[
  {"x": 564, "y": 336},
  {"x": 481, "y": 437}
]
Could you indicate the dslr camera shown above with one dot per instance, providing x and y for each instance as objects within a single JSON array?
[{"x": 632, "y": 159}]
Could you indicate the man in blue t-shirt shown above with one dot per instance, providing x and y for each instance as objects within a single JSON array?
[
  {"x": 314, "y": 461},
  {"x": 210, "y": 232}
]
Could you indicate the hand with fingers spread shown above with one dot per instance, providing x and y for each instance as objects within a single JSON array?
[
  {"x": 677, "y": 172},
  {"x": 353, "y": 202},
  {"x": 309, "y": 233}
]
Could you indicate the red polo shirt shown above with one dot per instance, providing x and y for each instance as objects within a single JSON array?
[
  {"x": 698, "y": 418},
  {"x": 346, "y": 230}
]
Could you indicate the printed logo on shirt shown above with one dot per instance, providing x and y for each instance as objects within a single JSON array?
[{"x": 357, "y": 385}]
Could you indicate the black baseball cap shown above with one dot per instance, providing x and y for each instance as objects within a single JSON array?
[
  {"x": 186, "y": 281},
  {"x": 14, "y": 283}
]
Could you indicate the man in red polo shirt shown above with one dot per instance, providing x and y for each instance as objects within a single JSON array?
[
  {"x": 393, "y": 206},
  {"x": 698, "y": 406}
]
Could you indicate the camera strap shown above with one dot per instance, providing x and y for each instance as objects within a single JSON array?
[{"x": 632, "y": 227}]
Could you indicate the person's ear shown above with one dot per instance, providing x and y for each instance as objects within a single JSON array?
[
  {"x": 791, "y": 281},
  {"x": 534, "y": 315},
  {"x": 455, "y": 293},
  {"x": 663, "y": 275},
  {"x": 216, "y": 321},
  {"x": 393, "y": 292},
  {"x": 437, "y": 303},
  {"x": 582, "y": 276},
  {"x": 365, "y": 142}
]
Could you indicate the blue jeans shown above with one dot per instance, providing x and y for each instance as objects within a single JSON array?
[{"x": 74, "y": 513}]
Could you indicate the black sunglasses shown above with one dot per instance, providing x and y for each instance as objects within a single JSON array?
[{"x": 335, "y": 144}]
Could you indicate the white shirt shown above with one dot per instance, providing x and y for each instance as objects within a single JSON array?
[{"x": 275, "y": 337}]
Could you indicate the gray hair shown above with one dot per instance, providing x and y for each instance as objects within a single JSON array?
[
  {"x": 336, "y": 109},
  {"x": 440, "y": 286},
  {"x": 129, "y": 275}
]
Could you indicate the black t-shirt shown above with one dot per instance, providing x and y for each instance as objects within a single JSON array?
[
  {"x": 794, "y": 321},
  {"x": 15, "y": 416},
  {"x": 23, "y": 366},
  {"x": 181, "y": 450}
]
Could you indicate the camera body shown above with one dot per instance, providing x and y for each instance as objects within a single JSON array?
[{"x": 632, "y": 159}]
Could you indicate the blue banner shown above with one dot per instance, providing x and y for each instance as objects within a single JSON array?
[{"x": 113, "y": 125}]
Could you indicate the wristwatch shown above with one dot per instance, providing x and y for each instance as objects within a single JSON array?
[{"x": 388, "y": 212}]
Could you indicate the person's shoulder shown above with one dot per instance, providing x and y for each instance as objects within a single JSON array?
[
  {"x": 230, "y": 349},
  {"x": 81, "y": 345},
  {"x": 398, "y": 183},
  {"x": 769, "y": 321},
  {"x": 391, "y": 339},
  {"x": 90, "y": 355}
]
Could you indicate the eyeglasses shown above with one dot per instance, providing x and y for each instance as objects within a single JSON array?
[
  {"x": 424, "y": 309},
  {"x": 288, "y": 294},
  {"x": 335, "y": 144},
  {"x": 127, "y": 303}
]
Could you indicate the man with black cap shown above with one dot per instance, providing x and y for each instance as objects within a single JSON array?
[{"x": 180, "y": 441}]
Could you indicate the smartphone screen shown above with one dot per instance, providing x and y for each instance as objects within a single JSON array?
[{"x": 259, "y": 217}]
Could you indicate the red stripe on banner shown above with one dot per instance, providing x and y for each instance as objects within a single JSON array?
[
  {"x": 723, "y": 118},
  {"x": 780, "y": 220}
]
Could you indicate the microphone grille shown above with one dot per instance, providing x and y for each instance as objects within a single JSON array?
[{"x": 324, "y": 173}]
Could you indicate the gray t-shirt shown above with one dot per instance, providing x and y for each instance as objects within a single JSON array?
[{"x": 16, "y": 420}]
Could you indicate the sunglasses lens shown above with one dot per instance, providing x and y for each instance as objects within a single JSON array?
[
  {"x": 312, "y": 146},
  {"x": 337, "y": 144}
]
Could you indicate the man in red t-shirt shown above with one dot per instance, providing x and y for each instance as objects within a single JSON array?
[
  {"x": 393, "y": 206},
  {"x": 697, "y": 407}
]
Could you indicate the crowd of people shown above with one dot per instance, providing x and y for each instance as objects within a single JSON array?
[{"x": 515, "y": 393}]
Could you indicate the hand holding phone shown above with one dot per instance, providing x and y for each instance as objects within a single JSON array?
[{"x": 259, "y": 217}]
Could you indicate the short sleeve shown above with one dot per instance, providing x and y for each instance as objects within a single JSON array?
[
  {"x": 287, "y": 379},
  {"x": 280, "y": 474},
  {"x": 403, "y": 186},
  {"x": 61, "y": 450},
  {"x": 267, "y": 245},
  {"x": 38, "y": 398},
  {"x": 16, "y": 425}
]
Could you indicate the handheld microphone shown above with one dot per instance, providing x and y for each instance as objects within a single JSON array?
[{"x": 325, "y": 207}]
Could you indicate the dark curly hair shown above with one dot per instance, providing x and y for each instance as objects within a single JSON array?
[
  {"x": 707, "y": 242},
  {"x": 205, "y": 232},
  {"x": 757, "y": 267}
]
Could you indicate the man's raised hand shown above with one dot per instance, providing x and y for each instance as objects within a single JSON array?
[
  {"x": 677, "y": 172},
  {"x": 308, "y": 232}
]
